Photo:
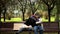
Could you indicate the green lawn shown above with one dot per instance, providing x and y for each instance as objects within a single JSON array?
[
  {"x": 12, "y": 20},
  {"x": 20, "y": 19},
  {"x": 52, "y": 19}
]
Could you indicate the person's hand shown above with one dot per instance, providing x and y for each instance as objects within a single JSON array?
[{"x": 38, "y": 22}]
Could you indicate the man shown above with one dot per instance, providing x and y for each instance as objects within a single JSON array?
[
  {"x": 39, "y": 26},
  {"x": 30, "y": 22},
  {"x": 36, "y": 23}
]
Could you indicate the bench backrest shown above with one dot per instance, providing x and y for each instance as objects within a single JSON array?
[
  {"x": 51, "y": 27},
  {"x": 47, "y": 26}
]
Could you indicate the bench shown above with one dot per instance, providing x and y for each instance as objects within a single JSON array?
[{"x": 49, "y": 27}]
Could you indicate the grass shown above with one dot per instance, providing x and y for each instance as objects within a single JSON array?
[
  {"x": 12, "y": 20},
  {"x": 20, "y": 19},
  {"x": 52, "y": 19}
]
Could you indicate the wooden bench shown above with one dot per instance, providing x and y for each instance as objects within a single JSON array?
[
  {"x": 48, "y": 27},
  {"x": 51, "y": 27},
  {"x": 6, "y": 26}
]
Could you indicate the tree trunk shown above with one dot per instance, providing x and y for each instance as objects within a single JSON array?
[
  {"x": 4, "y": 13},
  {"x": 4, "y": 16},
  {"x": 49, "y": 14},
  {"x": 23, "y": 12},
  {"x": 23, "y": 16},
  {"x": 0, "y": 15}
]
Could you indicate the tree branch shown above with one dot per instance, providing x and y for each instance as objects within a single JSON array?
[
  {"x": 53, "y": 5},
  {"x": 51, "y": 2},
  {"x": 45, "y": 2},
  {"x": 20, "y": 2}
]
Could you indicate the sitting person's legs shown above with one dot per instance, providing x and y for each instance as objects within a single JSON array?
[
  {"x": 19, "y": 31},
  {"x": 35, "y": 29},
  {"x": 24, "y": 27},
  {"x": 40, "y": 29}
]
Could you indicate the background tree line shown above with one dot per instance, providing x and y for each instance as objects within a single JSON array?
[{"x": 19, "y": 8}]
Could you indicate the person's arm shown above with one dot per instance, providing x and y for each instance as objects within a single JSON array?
[{"x": 40, "y": 21}]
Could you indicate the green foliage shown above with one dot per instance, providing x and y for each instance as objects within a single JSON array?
[{"x": 54, "y": 11}]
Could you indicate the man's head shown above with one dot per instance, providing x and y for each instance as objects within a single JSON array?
[{"x": 37, "y": 15}]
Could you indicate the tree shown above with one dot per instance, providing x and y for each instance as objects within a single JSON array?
[
  {"x": 0, "y": 12},
  {"x": 50, "y": 5},
  {"x": 23, "y": 7},
  {"x": 3, "y": 6},
  {"x": 58, "y": 13},
  {"x": 33, "y": 6},
  {"x": 58, "y": 10}
]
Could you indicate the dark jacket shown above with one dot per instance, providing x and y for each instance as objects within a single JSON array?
[{"x": 31, "y": 21}]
